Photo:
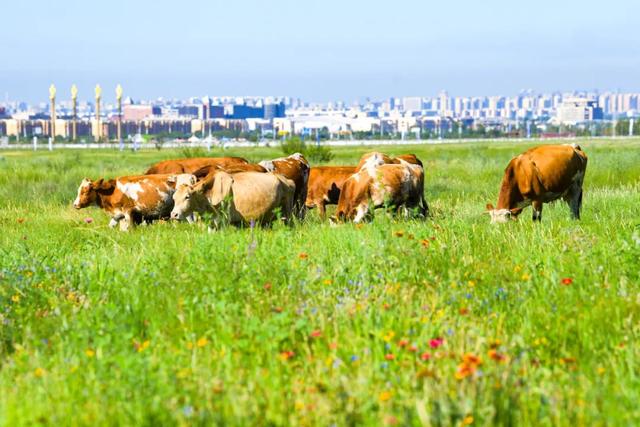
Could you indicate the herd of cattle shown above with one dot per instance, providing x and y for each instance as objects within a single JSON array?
[{"x": 234, "y": 191}]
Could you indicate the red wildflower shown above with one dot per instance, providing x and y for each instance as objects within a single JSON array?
[
  {"x": 88, "y": 220},
  {"x": 389, "y": 356},
  {"x": 267, "y": 286},
  {"x": 303, "y": 255},
  {"x": 567, "y": 281},
  {"x": 436, "y": 342},
  {"x": 425, "y": 356},
  {"x": 316, "y": 334},
  {"x": 413, "y": 348},
  {"x": 403, "y": 343},
  {"x": 464, "y": 311},
  {"x": 425, "y": 243},
  {"x": 495, "y": 355}
]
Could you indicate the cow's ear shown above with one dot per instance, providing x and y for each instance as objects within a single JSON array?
[
  {"x": 97, "y": 184},
  {"x": 490, "y": 207},
  {"x": 221, "y": 187},
  {"x": 172, "y": 179}
]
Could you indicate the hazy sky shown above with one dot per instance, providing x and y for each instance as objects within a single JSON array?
[{"x": 317, "y": 49}]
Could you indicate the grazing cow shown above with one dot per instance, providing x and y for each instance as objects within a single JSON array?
[
  {"x": 240, "y": 198},
  {"x": 391, "y": 185},
  {"x": 386, "y": 159},
  {"x": 130, "y": 200},
  {"x": 325, "y": 183},
  {"x": 296, "y": 168},
  {"x": 191, "y": 165},
  {"x": 541, "y": 175}
]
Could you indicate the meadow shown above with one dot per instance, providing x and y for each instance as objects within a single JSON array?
[{"x": 445, "y": 322}]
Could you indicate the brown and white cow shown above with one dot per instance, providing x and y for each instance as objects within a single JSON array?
[
  {"x": 239, "y": 198},
  {"x": 382, "y": 185},
  {"x": 296, "y": 168},
  {"x": 541, "y": 175},
  {"x": 130, "y": 200},
  {"x": 382, "y": 158},
  {"x": 191, "y": 165},
  {"x": 325, "y": 183}
]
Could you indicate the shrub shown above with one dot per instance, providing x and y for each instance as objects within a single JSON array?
[{"x": 314, "y": 153}]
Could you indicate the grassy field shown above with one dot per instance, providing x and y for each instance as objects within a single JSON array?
[{"x": 450, "y": 321}]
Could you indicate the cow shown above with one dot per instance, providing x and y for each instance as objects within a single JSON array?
[
  {"x": 381, "y": 185},
  {"x": 240, "y": 198},
  {"x": 325, "y": 183},
  {"x": 386, "y": 159},
  {"x": 130, "y": 200},
  {"x": 541, "y": 175},
  {"x": 190, "y": 165},
  {"x": 296, "y": 168}
]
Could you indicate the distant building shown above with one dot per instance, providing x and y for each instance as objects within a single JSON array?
[
  {"x": 139, "y": 112},
  {"x": 271, "y": 111},
  {"x": 578, "y": 110},
  {"x": 413, "y": 103}
]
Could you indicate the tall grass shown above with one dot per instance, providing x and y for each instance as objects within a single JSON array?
[{"x": 376, "y": 324}]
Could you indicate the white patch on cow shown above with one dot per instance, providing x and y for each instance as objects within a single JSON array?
[
  {"x": 361, "y": 211},
  {"x": 130, "y": 189},
  {"x": 268, "y": 165},
  {"x": 500, "y": 215}
]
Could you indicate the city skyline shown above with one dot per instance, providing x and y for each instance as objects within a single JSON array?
[{"x": 319, "y": 51}]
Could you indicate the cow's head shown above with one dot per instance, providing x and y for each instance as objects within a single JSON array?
[
  {"x": 500, "y": 216},
  {"x": 88, "y": 192},
  {"x": 183, "y": 201}
]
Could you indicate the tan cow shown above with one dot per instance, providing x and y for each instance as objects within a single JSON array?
[
  {"x": 386, "y": 159},
  {"x": 541, "y": 175},
  {"x": 296, "y": 168},
  {"x": 191, "y": 165},
  {"x": 382, "y": 185},
  {"x": 130, "y": 200},
  {"x": 325, "y": 183},
  {"x": 239, "y": 198}
]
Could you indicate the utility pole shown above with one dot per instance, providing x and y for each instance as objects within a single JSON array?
[
  {"x": 98, "y": 92},
  {"x": 52, "y": 100},
  {"x": 119, "y": 102}
]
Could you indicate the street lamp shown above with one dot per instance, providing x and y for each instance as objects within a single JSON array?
[
  {"x": 98, "y": 92},
  {"x": 74, "y": 103},
  {"x": 119, "y": 100},
  {"x": 52, "y": 99}
]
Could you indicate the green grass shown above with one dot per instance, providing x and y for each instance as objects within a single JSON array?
[{"x": 168, "y": 324}]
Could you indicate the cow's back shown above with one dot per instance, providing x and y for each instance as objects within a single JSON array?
[
  {"x": 554, "y": 167},
  {"x": 191, "y": 165},
  {"x": 257, "y": 195}
]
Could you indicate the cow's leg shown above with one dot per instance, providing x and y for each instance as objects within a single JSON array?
[
  {"x": 576, "y": 203},
  {"x": 322, "y": 210},
  {"x": 126, "y": 222},
  {"x": 537, "y": 210},
  {"x": 116, "y": 219},
  {"x": 424, "y": 207}
]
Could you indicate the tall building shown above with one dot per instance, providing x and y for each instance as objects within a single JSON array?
[{"x": 578, "y": 110}]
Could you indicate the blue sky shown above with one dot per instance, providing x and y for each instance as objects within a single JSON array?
[{"x": 317, "y": 50}]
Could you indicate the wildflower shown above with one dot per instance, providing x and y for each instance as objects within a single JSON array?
[
  {"x": 464, "y": 311},
  {"x": 190, "y": 345},
  {"x": 333, "y": 345},
  {"x": 299, "y": 405},
  {"x": 526, "y": 276},
  {"x": 354, "y": 358},
  {"x": 286, "y": 355},
  {"x": 410, "y": 236},
  {"x": 359, "y": 226},
  {"x": 384, "y": 396},
  {"x": 424, "y": 243},
  {"x": 495, "y": 355},
  {"x": 601, "y": 370},
  {"x": 436, "y": 342},
  {"x": 403, "y": 343},
  {"x": 140, "y": 347},
  {"x": 277, "y": 309},
  {"x": 468, "y": 420},
  {"x": 425, "y": 356},
  {"x": 470, "y": 363},
  {"x": 90, "y": 353},
  {"x": 567, "y": 281},
  {"x": 20, "y": 220},
  {"x": 389, "y": 356},
  {"x": 88, "y": 220},
  {"x": 399, "y": 233},
  {"x": 316, "y": 334},
  {"x": 303, "y": 255},
  {"x": 327, "y": 282},
  {"x": 386, "y": 306},
  {"x": 202, "y": 342},
  {"x": 471, "y": 284},
  {"x": 15, "y": 298},
  {"x": 389, "y": 336},
  {"x": 413, "y": 348},
  {"x": 267, "y": 286},
  {"x": 391, "y": 420},
  {"x": 39, "y": 372},
  {"x": 495, "y": 343}
]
